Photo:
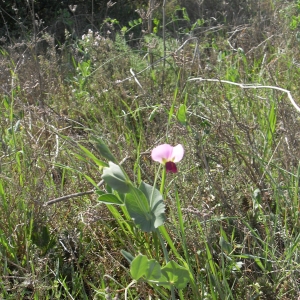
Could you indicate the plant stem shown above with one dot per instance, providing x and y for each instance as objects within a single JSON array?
[
  {"x": 166, "y": 255},
  {"x": 163, "y": 179}
]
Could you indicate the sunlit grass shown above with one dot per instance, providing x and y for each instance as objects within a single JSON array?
[{"x": 232, "y": 210}]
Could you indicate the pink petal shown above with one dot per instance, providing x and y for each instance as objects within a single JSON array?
[
  {"x": 177, "y": 153},
  {"x": 171, "y": 167},
  {"x": 162, "y": 153}
]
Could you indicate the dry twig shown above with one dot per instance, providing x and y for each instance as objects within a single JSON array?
[{"x": 89, "y": 192}]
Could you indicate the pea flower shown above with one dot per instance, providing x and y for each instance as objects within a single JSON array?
[{"x": 168, "y": 156}]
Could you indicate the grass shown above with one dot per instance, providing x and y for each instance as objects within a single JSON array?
[{"x": 232, "y": 209}]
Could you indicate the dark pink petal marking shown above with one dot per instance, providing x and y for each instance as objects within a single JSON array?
[{"x": 171, "y": 167}]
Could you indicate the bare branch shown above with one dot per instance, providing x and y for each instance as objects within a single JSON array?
[
  {"x": 250, "y": 86},
  {"x": 89, "y": 192}
]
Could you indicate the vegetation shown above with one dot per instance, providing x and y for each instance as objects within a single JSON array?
[{"x": 87, "y": 214}]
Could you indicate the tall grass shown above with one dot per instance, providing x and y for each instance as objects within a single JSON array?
[{"x": 232, "y": 210}]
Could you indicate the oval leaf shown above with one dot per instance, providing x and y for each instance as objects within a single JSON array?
[
  {"x": 115, "y": 178},
  {"x": 138, "y": 267},
  {"x": 139, "y": 210},
  {"x": 153, "y": 271},
  {"x": 110, "y": 199},
  {"x": 175, "y": 275},
  {"x": 156, "y": 203},
  {"x": 141, "y": 266}
]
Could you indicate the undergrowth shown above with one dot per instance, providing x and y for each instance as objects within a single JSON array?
[{"x": 232, "y": 210}]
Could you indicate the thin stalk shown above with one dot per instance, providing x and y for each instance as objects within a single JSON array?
[
  {"x": 164, "y": 43},
  {"x": 163, "y": 180},
  {"x": 166, "y": 255}
]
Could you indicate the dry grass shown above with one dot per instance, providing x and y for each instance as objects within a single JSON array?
[{"x": 237, "y": 142}]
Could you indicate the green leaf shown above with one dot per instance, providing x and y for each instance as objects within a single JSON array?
[
  {"x": 146, "y": 207},
  {"x": 128, "y": 256},
  {"x": 138, "y": 267},
  {"x": 259, "y": 263},
  {"x": 100, "y": 192},
  {"x": 174, "y": 274},
  {"x": 92, "y": 157},
  {"x": 110, "y": 199},
  {"x": 137, "y": 21},
  {"x": 139, "y": 210},
  {"x": 156, "y": 203},
  {"x": 224, "y": 243},
  {"x": 103, "y": 149},
  {"x": 2, "y": 192},
  {"x": 181, "y": 114},
  {"x": 115, "y": 178},
  {"x": 141, "y": 266},
  {"x": 225, "y": 246},
  {"x": 153, "y": 271}
]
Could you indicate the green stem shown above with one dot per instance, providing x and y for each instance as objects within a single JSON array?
[
  {"x": 166, "y": 255},
  {"x": 163, "y": 179}
]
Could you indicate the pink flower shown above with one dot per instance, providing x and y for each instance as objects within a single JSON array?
[{"x": 168, "y": 156}]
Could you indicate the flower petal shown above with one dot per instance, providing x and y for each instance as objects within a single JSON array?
[
  {"x": 162, "y": 153},
  {"x": 171, "y": 167},
  {"x": 177, "y": 153}
]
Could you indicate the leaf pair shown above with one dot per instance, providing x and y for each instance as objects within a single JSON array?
[
  {"x": 144, "y": 204},
  {"x": 170, "y": 275}
]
